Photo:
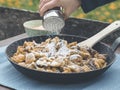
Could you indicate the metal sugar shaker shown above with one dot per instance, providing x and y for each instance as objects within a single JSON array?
[{"x": 53, "y": 20}]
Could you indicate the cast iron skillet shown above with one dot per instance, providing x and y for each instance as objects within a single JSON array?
[{"x": 63, "y": 77}]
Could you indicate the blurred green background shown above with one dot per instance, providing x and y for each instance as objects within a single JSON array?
[{"x": 106, "y": 13}]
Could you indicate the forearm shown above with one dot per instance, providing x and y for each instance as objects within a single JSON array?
[{"x": 88, "y": 5}]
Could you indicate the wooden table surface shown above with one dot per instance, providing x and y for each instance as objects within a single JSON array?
[
  {"x": 7, "y": 42},
  {"x": 12, "y": 39},
  {"x": 15, "y": 38}
]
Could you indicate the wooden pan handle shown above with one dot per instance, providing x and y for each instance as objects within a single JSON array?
[{"x": 90, "y": 42}]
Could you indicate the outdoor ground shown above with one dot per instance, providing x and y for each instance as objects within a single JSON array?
[{"x": 106, "y": 13}]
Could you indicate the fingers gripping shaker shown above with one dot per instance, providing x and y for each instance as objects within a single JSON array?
[{"x": 53, "y": 20}]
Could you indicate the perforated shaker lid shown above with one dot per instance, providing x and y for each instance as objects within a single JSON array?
[{"x": 53, "y": 21}]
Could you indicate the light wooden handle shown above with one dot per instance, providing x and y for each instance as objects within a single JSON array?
[{"x": 90, "y": 42}]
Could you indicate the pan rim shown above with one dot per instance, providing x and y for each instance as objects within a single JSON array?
[{"x": 9, "y": 59}]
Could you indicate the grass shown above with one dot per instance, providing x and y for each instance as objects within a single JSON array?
[{"x": 106, "y": 13}]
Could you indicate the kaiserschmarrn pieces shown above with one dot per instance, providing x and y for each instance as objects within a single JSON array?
[{"x": 58, "y": 56}]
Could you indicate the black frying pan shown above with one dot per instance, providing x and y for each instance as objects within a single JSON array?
[{"x": 63, "y": 77}]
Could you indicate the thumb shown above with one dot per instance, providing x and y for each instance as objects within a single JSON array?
[{"x": 67, "y": 13}]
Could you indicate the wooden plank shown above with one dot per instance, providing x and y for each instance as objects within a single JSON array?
[{"x": 12, "y": 39}]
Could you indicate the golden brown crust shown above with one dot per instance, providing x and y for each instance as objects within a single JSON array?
[{"x": 59, "y": 56}]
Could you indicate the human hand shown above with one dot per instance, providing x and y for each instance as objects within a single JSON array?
[{"x": 69, "y": 6}]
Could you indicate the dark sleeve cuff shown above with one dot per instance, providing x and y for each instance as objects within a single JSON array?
[{"x": 88, "y": 5}]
